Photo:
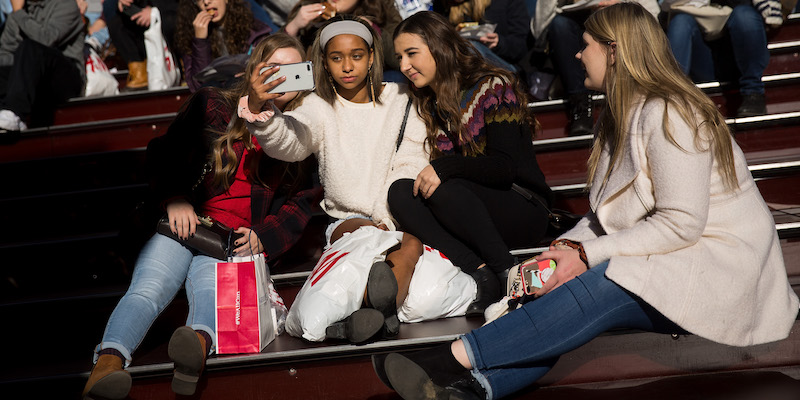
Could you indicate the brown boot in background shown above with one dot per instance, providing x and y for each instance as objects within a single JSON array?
[
  {"x": 137, "y": 76},
  {"x": 108, "y": 380}
]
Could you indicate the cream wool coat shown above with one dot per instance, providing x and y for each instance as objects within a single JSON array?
[
  {"x": 706, "y": 257},
  {"x": 356, "y": 148}
]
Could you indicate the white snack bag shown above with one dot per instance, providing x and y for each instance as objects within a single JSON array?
[
  {"x": 438, "y": 289},
  {"x": 335, "y": 288}
]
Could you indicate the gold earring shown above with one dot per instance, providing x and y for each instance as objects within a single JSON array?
[{"x": 372, "y": 90}]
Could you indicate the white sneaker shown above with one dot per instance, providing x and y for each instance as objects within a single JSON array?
[{"x": 11, "y": 122}]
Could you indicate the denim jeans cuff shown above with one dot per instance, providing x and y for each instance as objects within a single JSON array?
[
  {"x": 116, "y": 346},
  {"x": 475, "y": 371}
]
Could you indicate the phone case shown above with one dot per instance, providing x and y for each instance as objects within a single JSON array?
[
  {"x": 299, "y": 77},
  {"x": 535, "y": 273}
]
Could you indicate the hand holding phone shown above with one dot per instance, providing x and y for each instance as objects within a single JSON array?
[
  {"x": 299, "y": 77},
  {"x": 535, "y": 273}
]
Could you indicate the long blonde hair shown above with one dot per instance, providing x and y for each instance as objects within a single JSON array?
[
  {"x": 644, "y": 66},
  {"x": 223, "y": 156},
  {"x": 472, "y": 8}
]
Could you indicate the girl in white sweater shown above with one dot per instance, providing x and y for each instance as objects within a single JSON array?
[{"x": 352, "y": 123}]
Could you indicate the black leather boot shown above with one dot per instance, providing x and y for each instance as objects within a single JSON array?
[
  {"x": 430, "y": 374},
  {"x": 579, "y": 112},
  {"x": 359, "y": 327},
  {"x": 752, "y": 105},
  {"x": 489, "y": 291},
  {"x": 382, "y": 294}
]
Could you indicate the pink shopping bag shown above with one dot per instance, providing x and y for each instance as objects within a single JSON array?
[{"x": 245, "y": 321}]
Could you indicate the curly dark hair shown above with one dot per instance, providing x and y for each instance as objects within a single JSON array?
[{"x": 236, "y": 33}]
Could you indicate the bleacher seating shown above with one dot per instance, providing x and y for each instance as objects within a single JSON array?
[{"x": 68, "y": 187}]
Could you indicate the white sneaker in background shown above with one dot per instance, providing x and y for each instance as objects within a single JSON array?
[{"x": 11, "y": 122}]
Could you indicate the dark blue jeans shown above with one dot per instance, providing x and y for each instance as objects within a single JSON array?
[
  {"x": 516, "y": 350},
  {"x": 565, "y": 38},
  {"x": 745, "y": 31}
]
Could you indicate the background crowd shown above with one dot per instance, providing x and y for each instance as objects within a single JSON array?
[{"x": 210, "y": 41}]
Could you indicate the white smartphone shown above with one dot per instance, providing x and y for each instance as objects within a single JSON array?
[{"x": 299, "y": 77}]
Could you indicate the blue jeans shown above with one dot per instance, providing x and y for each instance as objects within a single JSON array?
[
  {"x": 164, "y": 265},
  {"x": 516, "y": 350},
  {"x": 102, "y": 35},
  {"x": 260, "y": 14},
  {"x": 565, "y": 38},
  {"x": 745, "y": 30},
  {"x": 493, "y": 58}
]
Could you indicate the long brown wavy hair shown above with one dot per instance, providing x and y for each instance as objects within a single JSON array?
[
  {"x": 326, "y": 87},
  {"x": 459, "y": 66},
  {"x": 223, "y": 156},
  {"x": 643, "y": 65},
  {"x": 235, "y": 33}
]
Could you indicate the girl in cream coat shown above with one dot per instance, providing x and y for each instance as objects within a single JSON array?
[{"x": 678, "y": 238}]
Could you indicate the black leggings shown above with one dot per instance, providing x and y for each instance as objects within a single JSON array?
[{"x": 470, "y": 223}]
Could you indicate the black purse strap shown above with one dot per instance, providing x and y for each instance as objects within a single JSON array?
[{"x": 403, "y": 126}]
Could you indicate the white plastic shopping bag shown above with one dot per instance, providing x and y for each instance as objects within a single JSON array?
[
  {"x": 99, "y": 80},
  {"x": 162, "y": 71},
  {"x": 438, "y": 289},
  {"x": 335, "y": 288}
]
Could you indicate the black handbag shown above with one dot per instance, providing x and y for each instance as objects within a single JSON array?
[
  {"x": 559, "y": 221},
  {"x": 211, "y": 238}
]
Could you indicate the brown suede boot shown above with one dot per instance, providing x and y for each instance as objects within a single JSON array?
[
  {"x": 187, "y": 349},
  {"x": 108, "y": 380},
  {"x": 137, "y": 75}
]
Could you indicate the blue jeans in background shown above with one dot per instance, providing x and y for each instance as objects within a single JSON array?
[
  {"x": 260, "y": 14},
  {"x": 745, "y": 30},
  {"x": 519, "y": 348},
  {"x": 164, "y": 265},
  {"x": 565, "y": 36},
  {"x": 102, "y": 36},
  {"x": 493, "y": 58}
]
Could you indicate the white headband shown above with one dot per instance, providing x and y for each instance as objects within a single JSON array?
[{"x": 346, "y": 27}]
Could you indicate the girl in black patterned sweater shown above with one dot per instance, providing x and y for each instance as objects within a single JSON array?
[{"x": 484, "y": 191}]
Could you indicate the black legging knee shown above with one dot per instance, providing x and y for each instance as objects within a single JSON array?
[{"x": 470, "y": 223}]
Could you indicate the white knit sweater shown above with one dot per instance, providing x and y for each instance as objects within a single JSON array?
[{"x": 355, "y": 147}]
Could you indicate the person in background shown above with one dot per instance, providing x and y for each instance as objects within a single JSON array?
[
  {"x": 505, "y": 46},
  {"x": 278, "y": 10},
  {"x": 97, "y": 34},
  {"x": 210, "y": 29},
  {"x": 127, "y": 21},
  {"x": 41, "y": 61},
  {"x": 744, "y": 38},
  {"x": 564, "y": 38},
  {"x": 664, "y": 248},
  {"x": 307, "y": 16},
  {"x": 483, "y": 191},
  {"x": 203, "y": 165}
]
